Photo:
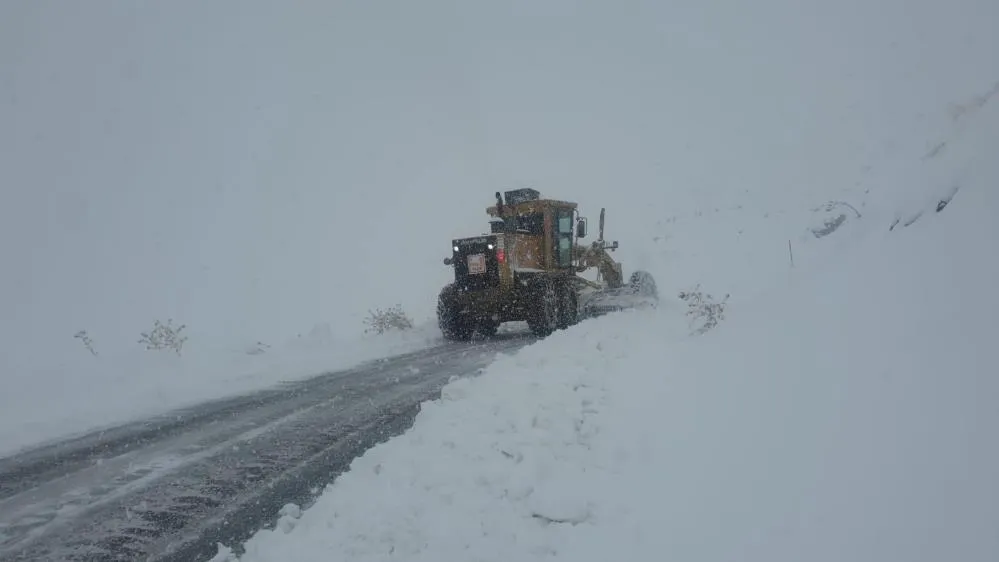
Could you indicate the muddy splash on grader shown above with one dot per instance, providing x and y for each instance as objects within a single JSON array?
[{"x": 528, "y": 269}]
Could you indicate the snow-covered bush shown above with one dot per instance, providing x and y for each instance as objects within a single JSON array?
[
  {"x": 834, "y": 217},
  {"x": 257, "y": 348},
  {"x": 380, "y": 321},
  {"x": 938, "y": 202},
  {"x": 702, "y": 309},
  {"x": 164, "y": 336},
  {"x": 87, "y": 341}
]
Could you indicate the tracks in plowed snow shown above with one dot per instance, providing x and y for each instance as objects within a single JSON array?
[{"x": 172, "y": 487}]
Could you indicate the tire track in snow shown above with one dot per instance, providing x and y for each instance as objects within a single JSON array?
[{"x": 172, "y": 487}]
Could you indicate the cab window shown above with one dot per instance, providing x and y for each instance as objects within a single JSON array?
[
  {"x": 564, "y": 237},
  {"x": 565, "y": 223}
]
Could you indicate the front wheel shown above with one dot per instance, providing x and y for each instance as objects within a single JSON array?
[{"x": 643, "y": 284}]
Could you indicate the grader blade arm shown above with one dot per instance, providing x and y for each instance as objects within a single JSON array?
[{"x": 640, "y": 292}]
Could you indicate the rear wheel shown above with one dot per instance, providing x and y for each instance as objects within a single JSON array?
[
  {"x": 543, "y": 314},
  {"x": 454, "y": 325},
  {"x": 568, "y": 308}
]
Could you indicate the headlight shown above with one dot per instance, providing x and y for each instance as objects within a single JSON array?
[
  {"x": 490, "y": 246},
  {"x": 455, "y": 248}
]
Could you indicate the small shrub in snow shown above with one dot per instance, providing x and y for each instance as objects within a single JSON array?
[
  {"x": 830, "y": 205},
  {"x": 87, "y": 342},
  {"x": 702, "y": 308},
  {"x": 164, "y": 336},
  {"x": 938, "y": 205},
  {"x": 380, "y": 321},
  {"x": 834, "y": 219},
  {"x": 257, "y": 348},
  {"x": 829, "y": 226}
]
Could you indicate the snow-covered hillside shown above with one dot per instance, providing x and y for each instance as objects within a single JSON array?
[{"x": 848, "y": 411}]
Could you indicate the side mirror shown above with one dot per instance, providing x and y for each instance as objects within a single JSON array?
[
  {"x": 448, "y": 261},
  {"x": 581, "y": 228}
]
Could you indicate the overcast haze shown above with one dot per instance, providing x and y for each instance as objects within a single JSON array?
[{"x": 253, "y": 168}]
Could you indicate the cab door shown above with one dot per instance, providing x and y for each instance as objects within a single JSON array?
[{"x": 564, "y": 234}]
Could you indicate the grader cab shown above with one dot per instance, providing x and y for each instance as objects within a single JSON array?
[{"x": 526, "y": 268}]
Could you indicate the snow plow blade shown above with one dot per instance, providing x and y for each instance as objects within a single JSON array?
[{"x": 639, "y": 293}]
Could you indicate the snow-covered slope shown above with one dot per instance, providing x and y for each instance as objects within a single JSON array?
[{"x": 847, "y": 411}]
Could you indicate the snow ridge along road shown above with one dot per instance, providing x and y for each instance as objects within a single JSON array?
[{"x": 173, "y": 486}]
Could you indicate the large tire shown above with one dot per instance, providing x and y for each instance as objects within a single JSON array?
[
  {"x": 643, "y": 284},
  {"x": 544, "y": 310},
  {"x": 568, "y": 306},
  {"x": 454, "y": 326}
]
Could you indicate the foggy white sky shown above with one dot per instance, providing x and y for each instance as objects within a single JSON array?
[{"x": 252, "y": 168}]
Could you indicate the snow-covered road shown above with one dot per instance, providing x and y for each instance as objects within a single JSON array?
[{"x": 172, "y": 487}]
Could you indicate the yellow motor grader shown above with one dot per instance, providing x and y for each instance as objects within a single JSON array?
[{"x": 527, "y": 269}]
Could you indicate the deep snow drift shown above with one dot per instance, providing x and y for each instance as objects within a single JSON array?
[{"x": 847, "y": 412}]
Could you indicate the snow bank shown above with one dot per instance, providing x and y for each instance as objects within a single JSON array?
[
  {"x": 848, "y": 412},
  {"x": 82, "y": 396}
]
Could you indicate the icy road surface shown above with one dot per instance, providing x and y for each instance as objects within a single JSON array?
[{"x": 172, "y": 487}]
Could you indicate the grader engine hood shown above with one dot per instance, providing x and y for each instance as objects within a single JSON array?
[{"x": 477, "y": 261}]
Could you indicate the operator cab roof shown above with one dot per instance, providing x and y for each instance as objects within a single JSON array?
[{"x": 526, "y": 200}]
